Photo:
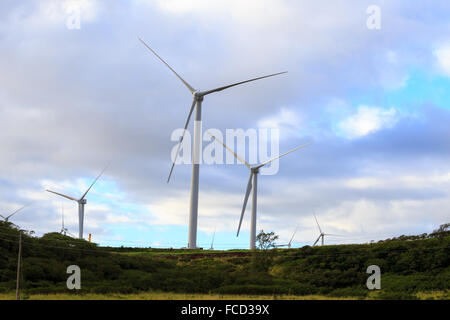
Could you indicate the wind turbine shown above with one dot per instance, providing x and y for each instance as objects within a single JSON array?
[
  {"x": 322, "y": 234},
  {"x": 81, "y": 202},
  {"x": 8, "y": 217},
  {"x": 290, "y": 241},
  {"x": 212, "y": 242},
  {"x": 64, "y": 230},
  {"x": 253, "y": 176},
  {"x": 197, "y": 104}
]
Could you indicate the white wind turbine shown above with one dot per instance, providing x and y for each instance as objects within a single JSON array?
[
  {"x": 81, "y": 202},
  {"x": 322, "y": 234},
  {"x": 197, "y": 104},
  {"x": 212, "y": 242},
  {"x": 254, "y": 170},
  {"x": 9, "y": 216},
  {"x": 290, "y": 241},
  {"x": 64, "y": 230}
]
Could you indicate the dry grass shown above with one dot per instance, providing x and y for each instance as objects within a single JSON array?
[
  {"x": 437, "y": 295},
  {"x": 163, "y": 296}
]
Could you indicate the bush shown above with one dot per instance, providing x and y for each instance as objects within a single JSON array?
[{"x": 408, "y": 266}]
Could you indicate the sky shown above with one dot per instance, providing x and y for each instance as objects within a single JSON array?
[{"x": 79, "y": 91}]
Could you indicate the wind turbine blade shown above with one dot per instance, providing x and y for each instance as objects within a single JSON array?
[
  {"x": 286, "y": 153},
  {"x": 235, "y": 155},
  {"x": 71, "y": 234},
  {"x": 334, "y": 235},
  {"x": 204, "y": 93},
  {"x": 2, "y": 216},
  {"x": 62, "y": 195},
  {"x": 84, "y": 195},
  {"x": 192, "y": 90},
  {"x": 293, "y": 234},
  {"x": 317, "y": 240},
  {"x": 247, "y": 194},
  {"x": 318, "y": 224},
  {"x": 17, "y": 211},
  {"x": 181, "y": 139}
]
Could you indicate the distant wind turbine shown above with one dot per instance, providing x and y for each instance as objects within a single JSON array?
[
  {"x": 212, "y": 242},
  {"x": 196, "y": 103},
  {"x": 290, "y": 241},
  {"x": 322, "y": 234},
  {"x": 81, "y": 202},
  {"x": 254, "y": 170},
  {"x": 8, "y": 217},
  {"x": 63, "y": 229}
]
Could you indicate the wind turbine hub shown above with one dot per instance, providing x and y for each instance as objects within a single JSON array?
[
  {"x": 82, "y": 201},
  {"x": 198, "y": 95}
]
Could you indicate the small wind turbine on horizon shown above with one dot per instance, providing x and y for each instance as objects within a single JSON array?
[
  {"x": 254, "y": 170},
  {"x": 212, "y": 242},
  {"x": 197, "y": 104},
  {"x": 81, "y": 203},
  {"x": 10, "y": 216},
  {"x": 64, "y": 230},
  {"x": 290, "y": 241},
  {"x": 322, "y": 234}
]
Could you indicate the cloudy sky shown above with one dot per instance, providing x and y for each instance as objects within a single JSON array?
[{"x": 374, "y": 102}]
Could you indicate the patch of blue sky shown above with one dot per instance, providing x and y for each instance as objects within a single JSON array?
[
  {"x": 421, "y": 88},
  {"x": 108, "y": 192},
  {"x": 144, "y": 235},
  {"x": 170, "y": 236}
]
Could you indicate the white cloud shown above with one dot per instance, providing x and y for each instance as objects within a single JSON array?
[
  {"x": 443, "y": 59},
  {"x": 216, "y": 210},
  {"x": 248, "y": 12},
  {"x": 287, "y": 121},
  {"x": 431, "y": 180},
  {"x": 49, "y": 13},
  {"x": 368, "y": 120}
]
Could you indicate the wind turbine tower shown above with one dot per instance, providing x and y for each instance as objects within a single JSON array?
[
  {"x": 253, "y": 184},
  {"x": 81, "y": 203},
  {"x": 63, "y": 229},
  {"x": 212, "y": 242},
  {"x": 197, "y": 100}
]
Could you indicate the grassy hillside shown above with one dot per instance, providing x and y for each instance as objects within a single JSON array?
[{"x": 409, "y": 265}]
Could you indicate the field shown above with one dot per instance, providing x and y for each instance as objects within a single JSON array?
[
  {"x": 438, "y": 295},
  {"x": 412, "y": 267},
  {"x": 163, "y": 296}
]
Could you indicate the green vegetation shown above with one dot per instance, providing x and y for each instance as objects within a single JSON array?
[
  {"x": 412, "y": 267},
  {"x": 265, "y": 240},
  {"x": 166, "y": 296}
]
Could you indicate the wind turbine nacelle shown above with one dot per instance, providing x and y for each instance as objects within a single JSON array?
[
  {"x": 83, "y": 201},
  {"x": 198, "y": 95}
]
